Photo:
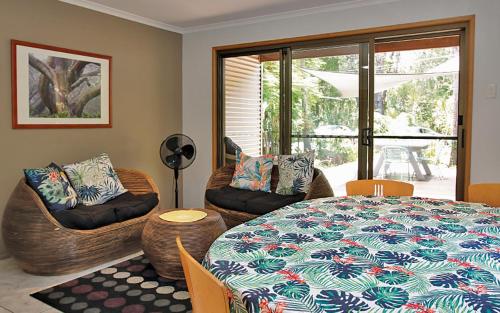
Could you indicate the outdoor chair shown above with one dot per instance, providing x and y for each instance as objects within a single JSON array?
[{"x": 395, "y": 155}]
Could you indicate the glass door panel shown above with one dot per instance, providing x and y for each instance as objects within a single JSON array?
[
  {"x": 416, "y": 114},
  {"x": 325, "y": 110},
  {"x": 375, "y": 107},
  {"x": 427, "y": 164}
]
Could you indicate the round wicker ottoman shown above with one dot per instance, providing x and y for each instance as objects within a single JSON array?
[{"x": 158, "y": 240}]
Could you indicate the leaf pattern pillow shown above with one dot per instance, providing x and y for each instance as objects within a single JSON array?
[
  {"x": 252, "y": 173},
  {"x": 296, "y": 173},
  {"x": 95, "y": 180},
  {"x": 52, "y": 186}
]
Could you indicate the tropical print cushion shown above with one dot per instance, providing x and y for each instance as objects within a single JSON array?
[
  {"x": 252, "y": 173},
  {"x": 95, "y": 180},
  {"x": 52, "y": 186},
  {"x": 363, "y": 254},
  {"x": 296, "y": 173}
]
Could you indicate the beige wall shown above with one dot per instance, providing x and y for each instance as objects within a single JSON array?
[{"x": 146, "y": 91}]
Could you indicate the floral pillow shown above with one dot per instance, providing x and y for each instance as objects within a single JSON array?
[
  {"x": 296, "y": 173},
  {"x": 95, "y": 180},
  {"x": 52, "y": 186},
  {"x": 252, "y": 173}
]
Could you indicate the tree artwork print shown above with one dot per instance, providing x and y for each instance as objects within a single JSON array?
[{"x": 59, "y": 88}]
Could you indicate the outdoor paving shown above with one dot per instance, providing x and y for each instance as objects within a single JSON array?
[{"x": 441, "y": 185}]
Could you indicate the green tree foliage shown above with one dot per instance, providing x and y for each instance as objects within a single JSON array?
[
  {"x": 427, "y": 102},
  {"x": 271, "y": 103}
]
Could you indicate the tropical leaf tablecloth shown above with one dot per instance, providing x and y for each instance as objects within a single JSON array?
[{"x": 363, "y": 254}]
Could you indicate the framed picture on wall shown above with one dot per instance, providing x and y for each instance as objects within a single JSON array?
[{"x": 59, "y": 88}]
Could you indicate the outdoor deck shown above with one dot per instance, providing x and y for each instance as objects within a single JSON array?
[{"x": 440, "y": 185}]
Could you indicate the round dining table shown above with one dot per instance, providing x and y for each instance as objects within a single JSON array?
[{"x": 363, "y": 254}]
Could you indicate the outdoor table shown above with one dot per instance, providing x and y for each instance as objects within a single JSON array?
[
  {"x": 413, "y": 147},
  {"x": 363, "y": 254}
]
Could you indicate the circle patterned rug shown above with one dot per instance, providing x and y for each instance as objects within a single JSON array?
[{"x": 131, "y": 286}]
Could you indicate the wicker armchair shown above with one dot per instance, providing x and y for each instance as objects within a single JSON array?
[
  {"x": 42, "y": 246},
  {"x": 320, "y": 188}
]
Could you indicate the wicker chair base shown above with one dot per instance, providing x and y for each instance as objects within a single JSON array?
[
  {"x": 42, "y": 246},
  {"x": 231, "y": 218}
]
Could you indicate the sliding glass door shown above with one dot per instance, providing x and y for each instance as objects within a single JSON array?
[
  {"x": 387, "y": 106},
  {"x": 417, "y": 113},
  {"x": 326, "y": 109}
]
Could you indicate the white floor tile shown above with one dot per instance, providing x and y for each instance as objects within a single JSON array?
[
  {"x": 17, "y": 286},
  {"x": 20, "y": 303}
]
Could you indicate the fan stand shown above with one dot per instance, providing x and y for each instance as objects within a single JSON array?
[{"x": 176, "y": 176}]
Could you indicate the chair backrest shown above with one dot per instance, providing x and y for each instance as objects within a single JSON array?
[
  {"x": 208, "y": 294},
  {"x": 374, "y": 187},
  {"x": 485, "y": 193}
]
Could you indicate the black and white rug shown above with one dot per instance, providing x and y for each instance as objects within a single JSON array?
[{"x": 128, "y": 287}]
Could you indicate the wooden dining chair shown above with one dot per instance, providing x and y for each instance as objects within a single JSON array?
[
  {"x": 208, "y": 294},
  {"x": 374, "y": 187},
  {"x": 485, "y": 193}
]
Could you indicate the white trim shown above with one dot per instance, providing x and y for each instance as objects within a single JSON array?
[
  {"x": 230, "y": 23},
  {"x": 124, "y": 14},
  {"x": 285, "y": 15}
]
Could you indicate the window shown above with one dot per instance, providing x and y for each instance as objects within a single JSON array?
[
  {"x": 243, "y": 105},
  {"x": 390, "y": 105}
]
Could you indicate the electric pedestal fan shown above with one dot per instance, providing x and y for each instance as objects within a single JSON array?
[{"x": 177, "y": 152}]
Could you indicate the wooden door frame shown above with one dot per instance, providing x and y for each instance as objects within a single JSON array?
[{"x": 466, "y": 22}]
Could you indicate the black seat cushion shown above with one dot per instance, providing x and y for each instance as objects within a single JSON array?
[
  {"x": 135, "y": 205},
  {"x": 253, "y": 202},
  {"x": 125, "y": 206}
]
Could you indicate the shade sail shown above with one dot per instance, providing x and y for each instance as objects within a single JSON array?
[{"x": 348, "y": 83}]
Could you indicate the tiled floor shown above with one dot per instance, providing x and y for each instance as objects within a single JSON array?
[{"x": 16, "y": 286}]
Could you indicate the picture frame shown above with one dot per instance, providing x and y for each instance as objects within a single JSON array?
[{"x": 55, "y": 87}]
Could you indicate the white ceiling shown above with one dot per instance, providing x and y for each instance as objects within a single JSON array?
[{"x": 192, "y": 15}]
